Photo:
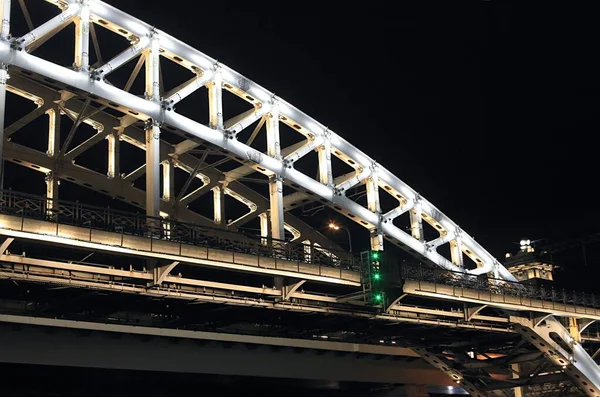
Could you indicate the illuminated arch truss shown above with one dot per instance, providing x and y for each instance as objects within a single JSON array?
[{"x": 159, "y": 112}]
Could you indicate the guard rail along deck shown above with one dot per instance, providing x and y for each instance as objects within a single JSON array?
[
  {"x": 439, "y": 283},
  {"x": 39, "y": 218}
]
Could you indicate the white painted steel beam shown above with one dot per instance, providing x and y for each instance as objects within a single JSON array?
[
  {"x": 3, "y": 81},
  {"x": 263, "y": 163},
  {"x": 276, "y": 181},
  {"x": 82, "y": 38},
  {"x": 153, "y": 129},
  {"x": 188, "y": 88},
  {"x": 42, "y": 32},
  {"x": 121, "y": 59},
  {"x": 5, "y": 18}
]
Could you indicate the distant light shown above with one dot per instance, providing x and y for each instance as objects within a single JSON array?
[
  {"x": 333, "y": 226},
  {"x": 376, "y": 276}
]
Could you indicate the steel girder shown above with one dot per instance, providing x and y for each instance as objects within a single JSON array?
[
  {"x": 89, "y": 82},
  {"x": 122, "y": 187},
  {"x": 279, "y": 167}
]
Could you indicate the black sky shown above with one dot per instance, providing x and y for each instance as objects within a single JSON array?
[{"x": 487, "y": 109}]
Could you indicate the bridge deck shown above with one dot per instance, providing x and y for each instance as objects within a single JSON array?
[{"x": 149, "y": 246}]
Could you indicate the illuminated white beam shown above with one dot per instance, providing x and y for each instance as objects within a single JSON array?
[
  {"x": 189, "y": 88},
  {"x": 373, "y": 204},
  {"x": 153, "y": 130},
  {"x": 325, "y": 170},
  {"x": 82, "y": 38},
  {"x": 39, "y": 33},
  {"x": 276, "y": 181},
  {"x": 303, "y": 151},
  {"x": 121, "y": 59},
  {"x": 355, "y": 180},
  {"x": 5, "y": 18},
  {"x": 433, "y": 244},
  {"x": 246, "y": 120},
  {"x": 416, "y": 221},
  {"x": 398, "y": 211},
  {"x": 215, "y": 99}
]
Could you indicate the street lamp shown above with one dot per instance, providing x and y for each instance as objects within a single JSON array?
[{"x": 335, "y": 227}]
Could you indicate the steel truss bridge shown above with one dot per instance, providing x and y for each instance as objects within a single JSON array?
[{"x": 456, "y": 307}]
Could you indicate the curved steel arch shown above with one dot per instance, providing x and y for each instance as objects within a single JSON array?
[{"x": 274, "y": 163}]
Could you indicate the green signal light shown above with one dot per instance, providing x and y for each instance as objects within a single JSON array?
[
  {"x": 375, "y": 255},
  {"x": 378, "y": 297},
  {"x": 376, "y": 276}
]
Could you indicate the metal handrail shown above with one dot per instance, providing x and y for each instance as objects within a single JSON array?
[
  {"x": 420, "y": 272},
  {"x": 107, "y": 219}
]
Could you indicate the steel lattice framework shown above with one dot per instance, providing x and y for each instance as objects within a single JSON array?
[
  {"x": 73, "y": 90},
  {"x": 275, "y": 162}
]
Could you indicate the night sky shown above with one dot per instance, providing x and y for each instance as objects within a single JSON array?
[{"x": 486, "y": 109}]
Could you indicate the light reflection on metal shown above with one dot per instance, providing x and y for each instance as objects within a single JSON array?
[{"x": 267, "y": 164}]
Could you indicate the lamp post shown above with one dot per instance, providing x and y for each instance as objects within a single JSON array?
[{"x": 335, "y": 227}]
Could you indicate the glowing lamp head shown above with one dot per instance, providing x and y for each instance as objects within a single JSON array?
[{"x": 333, "y": 226}]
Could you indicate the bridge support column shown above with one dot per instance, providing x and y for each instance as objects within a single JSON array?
[
  {"x": 264, "y": 228},
  {"x": 456, "y": 251},
  {"x": 152, "y": 170},
  {"x": 325, "y": 172},
  {"x": 4, "y": 35},
  {"x": 153, "y": 131},
  {"x": 53, "y": 131},
  {"x": 3, "y": 80},
  {"x": 52, "y": 180},
  {"x": 82, "y": 38},
  {"x": 5, "y": 18},
  {"x": 215, "y": 100},
  {"x": 219, "y": 205},
  {"x": 416, "y": 221},
  {"x": 168, "y": 192},
  {"x": 52, "y": 183},
  {"x": 275, "y": 185},
  {"x": 574, "y": 329},
  {"x": 374, "y": 205},
  {"x": 114, "y": 147}
]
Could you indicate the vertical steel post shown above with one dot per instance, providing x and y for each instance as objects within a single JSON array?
[{"x": 153, "y": 131}]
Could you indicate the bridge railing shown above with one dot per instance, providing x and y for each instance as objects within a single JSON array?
[
  {"x": 28, "y": 206},
  {"x": 420, "y": 272}
]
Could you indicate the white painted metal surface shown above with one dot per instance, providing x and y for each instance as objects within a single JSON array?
[{"x": 280, "y": 169}]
